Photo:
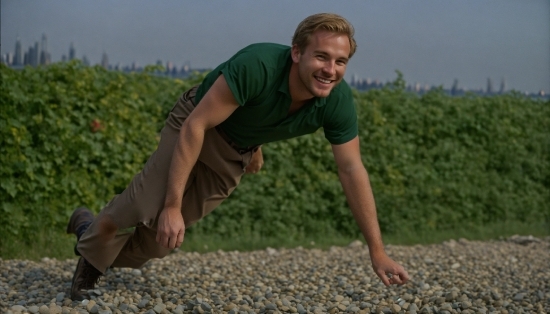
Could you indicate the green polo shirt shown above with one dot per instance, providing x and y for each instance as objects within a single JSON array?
[{"x": 258, "y": 78}]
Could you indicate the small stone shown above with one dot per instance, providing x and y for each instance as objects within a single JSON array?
[
  {"x": 271, "y": 307},
  {"x": 60, "y": 296},
  {"x": 143, "y": 303},
  {"x": 465, "y": 305},
  {"x": 136, "y": 272},
  {"x": 205, "y": 306},
  {"x": 229, "y": 306},
  {"x": 89, "y": 305},
  {"x": 395, "y": 308},
  {"x": 18, "y": 308},
  {"x": 158, "y": 308},
  {"x": 55, "y": 309},
  {"x": 33, "y": 309},
  {"x": 518, "y": 297},
  {"x": 44, "y": 309},
  {"x": 355, "y": 244},
  {"x": 451, "y": 296}
]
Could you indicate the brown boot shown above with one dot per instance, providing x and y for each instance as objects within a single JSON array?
[
  {"x": 81, "y": 218},
  {"x": 84, "y": 279}
]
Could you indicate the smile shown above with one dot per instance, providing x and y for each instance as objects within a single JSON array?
[{"x": 323, "y": 80}]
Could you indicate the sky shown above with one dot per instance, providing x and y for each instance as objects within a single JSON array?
[{"x": 431, "y": 42}]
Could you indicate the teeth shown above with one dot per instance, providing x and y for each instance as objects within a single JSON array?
[{"x": 322, "y": 80}]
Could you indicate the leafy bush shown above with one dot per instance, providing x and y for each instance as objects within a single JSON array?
[
  {"x": 74, "y": 135},
  {"x": 435, "y": 163}
]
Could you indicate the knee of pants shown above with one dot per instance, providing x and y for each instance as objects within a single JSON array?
[{"x": 159, "y": 252}]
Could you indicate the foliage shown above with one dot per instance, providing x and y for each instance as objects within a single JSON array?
[{"x": 73, "y": 135}]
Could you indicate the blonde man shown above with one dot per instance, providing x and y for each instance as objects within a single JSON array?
[{"x": 213, "y": 135}]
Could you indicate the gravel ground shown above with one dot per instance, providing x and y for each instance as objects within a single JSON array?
[{"x": 506, "y": 276}]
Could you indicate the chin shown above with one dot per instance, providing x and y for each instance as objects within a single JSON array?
[{"x": 321, "y": 93}]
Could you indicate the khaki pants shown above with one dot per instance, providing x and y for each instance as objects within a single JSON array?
[{"x": 215, "y": 175}]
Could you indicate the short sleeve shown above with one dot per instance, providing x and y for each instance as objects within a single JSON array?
[
  {"x": 246, "y": 76},
  {"x": 340, "y": 125}
]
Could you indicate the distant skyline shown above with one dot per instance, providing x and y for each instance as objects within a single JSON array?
[{"x": 430, "y": 42}]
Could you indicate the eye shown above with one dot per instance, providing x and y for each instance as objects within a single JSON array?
[
  {"x": 341, "y": 62},
  {"x": 320, "y": 57}
]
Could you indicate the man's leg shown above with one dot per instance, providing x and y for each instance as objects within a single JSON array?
[
  {"x": 138, "y": 204},
  {"x": 216, "y": 174}
]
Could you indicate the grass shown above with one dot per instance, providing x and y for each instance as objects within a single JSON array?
[{"x": 55, "y": 244}]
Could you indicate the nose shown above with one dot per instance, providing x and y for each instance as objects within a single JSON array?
[{"x": 330, "y": 67}]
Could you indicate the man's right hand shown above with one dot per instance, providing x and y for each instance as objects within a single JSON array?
[{"x": 170, "y": 228}]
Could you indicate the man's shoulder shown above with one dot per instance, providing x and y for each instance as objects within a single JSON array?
[
  {"x": 266, "y": 48},
  {"x": 269, "y": 53}
]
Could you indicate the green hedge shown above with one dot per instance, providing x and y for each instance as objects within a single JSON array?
[{"x": 74, "y": 135}]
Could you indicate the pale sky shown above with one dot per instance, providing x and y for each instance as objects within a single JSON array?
[{"x": 429, "y": 41}]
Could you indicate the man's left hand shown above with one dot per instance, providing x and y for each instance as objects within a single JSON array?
[
  {"x": 256, "y": 162},
  {"x": 389, "y": 271}
]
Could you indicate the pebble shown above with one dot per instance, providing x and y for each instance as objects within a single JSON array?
[
  {"x": 458, "y": 276},
  {"x": 60, "y": 296},
  {"x": 18, "y": 308},
  {"x": 44, "y": 309}
]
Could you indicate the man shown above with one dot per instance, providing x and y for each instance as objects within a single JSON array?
[{"x": 266, "y": 92}]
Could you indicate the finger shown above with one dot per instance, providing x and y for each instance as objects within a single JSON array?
[
  {"x": 384, "y": 279},
  {"x": 180, "y": 238},
  {"x": 172, "y": 242},
  {"x": 396, "y": 280},
  {"x": 162, "y": 242},
  {"x": 403, "y": 275},
  {"x": 160, "y": 238}
]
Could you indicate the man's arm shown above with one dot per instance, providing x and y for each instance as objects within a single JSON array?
[
  {"x": 216, "y": 106},
  {"x": 355, "y": 181}
]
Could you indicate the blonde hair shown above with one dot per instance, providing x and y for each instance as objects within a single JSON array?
[{"x": 325, "y": 21}]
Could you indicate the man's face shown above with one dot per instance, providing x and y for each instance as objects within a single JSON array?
[{"x": 323, "y": 63}]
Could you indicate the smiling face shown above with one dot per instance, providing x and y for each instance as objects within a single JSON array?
[{"x": 322, "y": 64}]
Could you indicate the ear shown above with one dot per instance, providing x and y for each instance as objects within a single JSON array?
[{"x": 295, "y": 53}]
